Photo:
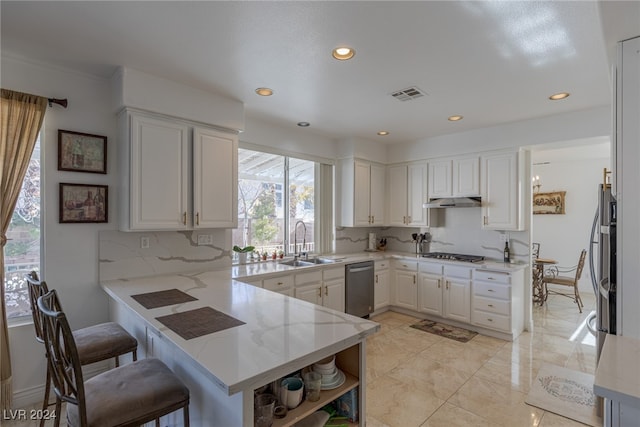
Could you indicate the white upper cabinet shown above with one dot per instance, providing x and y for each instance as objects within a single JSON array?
[
  {"x": 501, "y": 191},
  {"x": 168, "y": 182},
  {"x": 361, "y": 193},
  {"x": 454, "y": 177},
  {"x": 215, "y": 179},
  {"x": 407, "y": 193}
]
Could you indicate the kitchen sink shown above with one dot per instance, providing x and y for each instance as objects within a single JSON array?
[
  {"x": 298, "y": 263},
  {"x": 307, "y": 262}
]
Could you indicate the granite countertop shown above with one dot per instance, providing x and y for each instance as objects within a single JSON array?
[
  {"x": 280, "y": 334},
  {"x": 618, "y": 373}
]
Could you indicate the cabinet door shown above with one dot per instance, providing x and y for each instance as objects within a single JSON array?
[
  {"x": 457, "y": 299},
  {"x": 381, "y": 290},
  {"x": 215, "y": 179},
  {"x": 377, "y": 199},
  {"x": 397, "y": 195},
  {"x": 361, "y": 197},
  {"x": 310, "y": 293},
  {"x": 333, "y": 294},
  {"x": 417, "y": 195},
  {"x": 159, "y": 174},
  {"x": 500, "y": 192},
  {"x": 440, "y": 178},
  {"x": 430, "y": 294},
  {"x": 466, "y": 177},
  {"x": 406, "y": 294}
]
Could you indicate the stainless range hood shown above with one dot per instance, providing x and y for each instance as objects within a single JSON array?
[{"x": 454, "y": 202}]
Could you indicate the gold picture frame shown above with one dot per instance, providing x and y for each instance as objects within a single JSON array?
[{"x": 552, "y": 203}]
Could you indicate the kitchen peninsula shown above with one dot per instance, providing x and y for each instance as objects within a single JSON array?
[{"x": 274, "y": 336}]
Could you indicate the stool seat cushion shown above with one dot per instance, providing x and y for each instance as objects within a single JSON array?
[
  {"x": 102, "y": 342},
  {"x": 130, "y": 392},
  {"x": 560, "y": 280}
]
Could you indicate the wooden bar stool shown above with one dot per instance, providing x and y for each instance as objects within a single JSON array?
[
  {"x": 130, "y": 395},
  {"x": 94, "y": 343}
]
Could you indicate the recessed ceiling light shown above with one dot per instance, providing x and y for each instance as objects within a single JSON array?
[
  {"x": 264, "y": 91},
  {"x": 559, "y": 96},
  {"x": 304, "y": 124},
  {"x": 454, "y": 118},
  {"x": 343, "y": 53},
  {"x": 383, "y": 133}
]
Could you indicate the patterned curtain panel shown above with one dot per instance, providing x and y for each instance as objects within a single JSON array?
[{"x": 22, "y": 116}]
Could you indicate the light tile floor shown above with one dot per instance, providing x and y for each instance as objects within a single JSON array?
[{"x": 417, "y": 379}]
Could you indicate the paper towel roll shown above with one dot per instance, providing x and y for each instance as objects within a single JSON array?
[{"x": 372, "y": 241}]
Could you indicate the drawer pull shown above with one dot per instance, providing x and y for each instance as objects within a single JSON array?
[
  {"x": 490, "y": 319},
  {"x": 319, "y": 292},
  {"x": 491, "y": 278},
  {"x": 490, "y": 290},
  {"x": 280, "y": 283},
  {"x": 489, "y": 305},
  {"x": 326, "y": 291}
]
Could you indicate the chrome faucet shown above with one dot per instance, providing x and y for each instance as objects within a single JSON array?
[{"x": 295, "y": 238}]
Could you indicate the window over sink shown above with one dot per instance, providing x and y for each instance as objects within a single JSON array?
[{"x": 276, "y": 192}]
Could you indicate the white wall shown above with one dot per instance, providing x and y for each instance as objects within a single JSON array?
[{"x": 562, "y": 237}]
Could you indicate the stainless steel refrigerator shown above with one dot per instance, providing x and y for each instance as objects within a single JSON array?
[{"x": 602, "y": 260}]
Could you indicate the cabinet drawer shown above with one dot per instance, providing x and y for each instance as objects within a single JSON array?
[
  {"x": 493, "y": 276},
  {"x": 431, "y": 268},
  {"x": 278, "y": 283},
  {"x": 492, "y": 305},
  {"x": 381, "y": 265},
  {"x": 333, "y": 273},
  {"x": 406, "y": 265},
  {"x": 308, "y": 278},
  {"x": 491, "y": 320},
  {"x": 492, "y": 290},
  {"x": 455, "y": 271}
]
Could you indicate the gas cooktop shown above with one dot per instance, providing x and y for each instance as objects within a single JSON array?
[{"x": 454, "y": 257}]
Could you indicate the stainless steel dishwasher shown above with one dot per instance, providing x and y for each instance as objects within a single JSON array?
[{"x": 359, "y": 288}]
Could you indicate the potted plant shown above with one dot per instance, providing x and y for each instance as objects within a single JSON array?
[{"x": 242, "y": 253}]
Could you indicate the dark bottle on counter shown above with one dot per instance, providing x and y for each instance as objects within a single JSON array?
[{"x": 506, "y": 252}]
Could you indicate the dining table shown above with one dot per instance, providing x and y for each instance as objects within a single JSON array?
[{"x": 539, "y": 264}]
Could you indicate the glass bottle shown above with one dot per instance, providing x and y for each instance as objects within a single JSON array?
[{"x": 89, "y": 207}]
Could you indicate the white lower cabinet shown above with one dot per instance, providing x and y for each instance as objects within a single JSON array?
[
  {"x": 406, "y": 284},
  {"x": 381, "y": 285},
  {"x": 496, "y": 296},
  {"x": 445, "y": 291},
  {"x": 322, "y": 287},
  {"x": 281, "y": 284}
]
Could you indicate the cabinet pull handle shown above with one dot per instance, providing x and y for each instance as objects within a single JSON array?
[
  {"x": 376, "y": 278},
  {"x": 184, "y": 218},
  {"x": 490, "y": 290},
  {"x": 326, "y": 291},
  {"x": 320, "y": 291},
  {"x": 447, "y": 283},
  {"x": 490, "y": 305},
  {"x": 438, "y": 283},
  {"x": 491, "y": 278},
  {"x": 404, "y": 219},
  {"x": 198, "y": 218},
  {"x": 490, "y": 319},
  {"x": 280, "y": 283},
  {"x": 414, "y": 278},
  {"x": 373, "y": 219}
]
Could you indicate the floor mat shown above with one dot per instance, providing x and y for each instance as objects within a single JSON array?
[
  {"x": 447, "y": 331},
  {"x": 565, "y": 392}
]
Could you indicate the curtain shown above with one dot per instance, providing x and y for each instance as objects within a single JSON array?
[{"x": 22, "y": 116}]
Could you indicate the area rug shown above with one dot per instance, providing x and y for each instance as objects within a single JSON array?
[
  {"x": 447, "y": 331},
  {"x": 565, "y": 392}
]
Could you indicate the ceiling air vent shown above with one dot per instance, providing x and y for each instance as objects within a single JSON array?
[{"x": 408, "y": 94}]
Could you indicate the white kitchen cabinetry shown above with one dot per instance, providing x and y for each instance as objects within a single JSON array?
[
  {"x": 322, "y": 287},
  {"x": 361, "y": 187},
  {"x": 430, "y": 289},
  {"x": 171, "y": 182},
  {"x": 407, "y": 193},
  {"x": 454, "y": 177},
  {"x": 457, "y": 293},
  {"x": 282, "y": 284},
  {"x": 381, "y": 291},
  {"x": 406, "y": 284},
  {"x": 502, "y": 176},
  {"x": 497, "y": 300}
]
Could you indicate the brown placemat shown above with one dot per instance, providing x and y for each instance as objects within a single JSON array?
[
  {"x": 201, "y": 321},
  {"x": 162, "y": 298}
]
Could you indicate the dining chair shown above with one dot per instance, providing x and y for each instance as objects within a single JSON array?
[
  {"x": 554, "y": 276},
  {"x": 94, "y": 343},
  {"x": 129, "y": 395}
]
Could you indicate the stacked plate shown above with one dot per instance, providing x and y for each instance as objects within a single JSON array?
[{"x": 332, "y": 377}]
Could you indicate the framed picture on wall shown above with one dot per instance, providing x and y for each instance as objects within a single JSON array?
[
  {"x": 82, "y": 152},
  {"x": 83, "y": 203},
  {"x": 549, "y": 203}
]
